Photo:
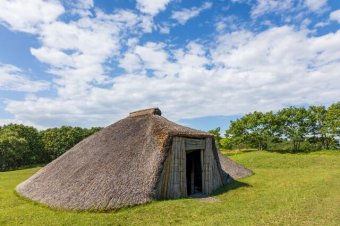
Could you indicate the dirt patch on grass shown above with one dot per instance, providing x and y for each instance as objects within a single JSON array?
[{"x": 204, "y": 198}]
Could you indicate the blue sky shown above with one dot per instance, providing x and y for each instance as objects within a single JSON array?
[{"x": 203, "y": 63}]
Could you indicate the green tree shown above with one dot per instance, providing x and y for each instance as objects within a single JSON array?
[
  {"x": 332, "y": 121},
  {"x": 290, "y": 128},
  {"x": 31, "y": 135},
  {"x": 57, "y": 141},
  {"x": 237, "y": 133},
  {"x": 217, "y": 135},
  {"x": 253, "y": 130},
  {"x": 13, "y": 149},
  {"x": 293, "y": 125},
  {"x": 317, "y": 126},
  {"x": 226, "y": 143}
]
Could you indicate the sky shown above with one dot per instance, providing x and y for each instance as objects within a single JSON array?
[{"x": 203, "y": 63}]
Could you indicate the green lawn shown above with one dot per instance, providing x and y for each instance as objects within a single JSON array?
[{"x": 287, "y": 189}]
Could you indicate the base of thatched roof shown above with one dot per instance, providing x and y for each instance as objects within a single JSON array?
[{"x": 236, "y": 171}]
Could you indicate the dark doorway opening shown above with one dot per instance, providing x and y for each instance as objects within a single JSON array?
[{"x": 194, "y": 172}]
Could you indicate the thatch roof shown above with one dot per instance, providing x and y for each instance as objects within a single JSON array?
[
  {"x": 236, "y": 171},
  {"x": 116, "y": 167}
]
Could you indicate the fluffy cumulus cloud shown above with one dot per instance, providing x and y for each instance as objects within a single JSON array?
[
  {"x": 182, "y": 16},
  {"x": 102, "y": 70},
  {"x": 152, "y": 7},
  {"x": 76, "y": 51},
  {"x": 13, "y": 79},
  {"x": 28, "y": 16}
]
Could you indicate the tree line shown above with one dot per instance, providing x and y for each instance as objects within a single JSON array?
[
  {"x": 22, "y": 145},
  {"x": 292, "y": 129}
]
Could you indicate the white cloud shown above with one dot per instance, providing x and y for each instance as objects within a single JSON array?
[
  {"x": 13, "y": 79},
  {"x": 262, "y": 7},
  {"x": 243, "y": 71},
  {"x": 130, "y": 62},
  {"x": 227, "y": 22},
  {"x": 184, "y": 15},
  {"x": 84, "y": 4},
  {"x": 78, "y": 50},
  {"x": 315, "y": 5},
  {"x": 147, "y": 23},
  {"x": 81, "y": 7},
  {"x": 266, "y": 6},
  {"x": 335, "y": 15},
  {"x": 153, "y": 56},
  {"x": 28, "y": 16},
  {"x": 235, "y": 73},
  {"x": 321, "y": 24},
  {"x": 152, "y": 7},
  {"x": 241, "y": 1},
  {"x": 164, "y": 28}
]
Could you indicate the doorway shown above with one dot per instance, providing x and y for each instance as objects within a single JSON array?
[{"x": 194, "y": 172}]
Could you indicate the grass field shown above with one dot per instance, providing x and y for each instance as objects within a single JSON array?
[{"x": 287, "y": 189}]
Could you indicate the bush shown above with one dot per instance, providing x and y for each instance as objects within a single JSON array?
[
  {"x": 24, "y": 145},
  {"x": 13, "y": 149},
  {"x": 57, "y": 141}
]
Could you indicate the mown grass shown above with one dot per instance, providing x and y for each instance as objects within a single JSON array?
[{"x": 287, "y": 189}]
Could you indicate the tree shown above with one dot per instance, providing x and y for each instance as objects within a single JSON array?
[
  {"x": 217, "y": 134},
  {"x": 317, "y": 126},
  {"x": 237, "y": 132},
  {"x": 13, "y": 149},
  {"x": 332, "y": 121},
  {"x": 226, "y": 143},
  {"x": 252, "y": 130},
  {"x": 56, "y": 141},
  {"x": 301, "y": 128},
  {"x": 293, "y": 125},
  {"x": 31, "y": 135}
]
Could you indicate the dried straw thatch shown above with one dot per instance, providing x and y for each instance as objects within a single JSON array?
[
  {"x": 116, "y": 167},
  {"x": 236, "y": 171}
]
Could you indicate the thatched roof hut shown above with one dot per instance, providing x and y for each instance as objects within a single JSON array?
[{"x": 133, "y": 161}]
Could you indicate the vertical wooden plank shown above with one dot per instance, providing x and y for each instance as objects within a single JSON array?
[
  {"x": 213, "y": 178},
  {"x": 169, "y": 195},
  {"x": 178, "y": 171},
  {"x": 203, "y": 170},
  {"x": 183, "y": 169},
  {"x": 165, "y": 177},
  {"x": 207, "y": 181},
  {"x": 176, "y": 186},
  {"x": 174, "y": 170}
]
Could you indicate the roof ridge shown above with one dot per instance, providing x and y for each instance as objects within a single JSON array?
[{"x": 148, "y": 111}]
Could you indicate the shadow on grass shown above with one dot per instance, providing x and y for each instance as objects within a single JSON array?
[
  {"x": 23, "y": 167},
  {"x": 229, "y": 187},
  {"x": 293, "y": 152},
  {"x": 237, "y": 151}
]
